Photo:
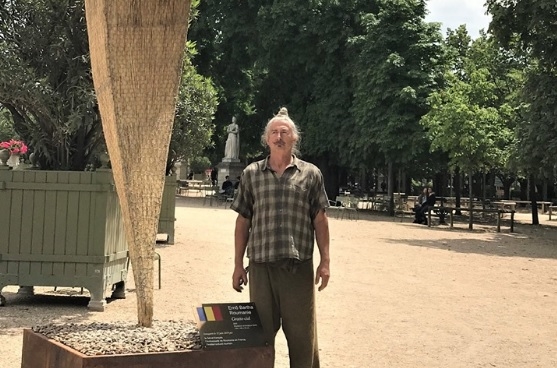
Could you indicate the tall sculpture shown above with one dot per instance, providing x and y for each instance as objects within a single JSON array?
[
  {"x": 136, "y": 56},
  {"x": 232, "y": 148}
]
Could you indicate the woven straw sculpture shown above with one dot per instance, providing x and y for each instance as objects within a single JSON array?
[{"x": 136, "y": 56}]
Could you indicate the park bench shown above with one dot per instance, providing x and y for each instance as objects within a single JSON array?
[
  {"x": 543, "y": 204},
  {"x": 403, "y": 212},
  {"x": 402, "y": 208},
  {"x": 505, "y": 205},
  {"x": 182, "y": 185},
  {"x": 499, "y": 215},
  {"x": 437, "y": 210}
]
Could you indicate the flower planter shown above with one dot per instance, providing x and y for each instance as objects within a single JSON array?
[
  {"x": 13, "y": 161},
  {"x": 39, "y": 351},
  {"x": 167, "y": 217},
  {"x": 64, "y": 228}
]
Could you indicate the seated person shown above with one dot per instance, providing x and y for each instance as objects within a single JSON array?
[
  {"x": 422, "y": 198},
  {"x": 422, "y": 210},
  {"x": 227, "y": 186}
]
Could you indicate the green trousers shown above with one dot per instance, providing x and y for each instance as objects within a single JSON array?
[{"x": 284, "y": 293}]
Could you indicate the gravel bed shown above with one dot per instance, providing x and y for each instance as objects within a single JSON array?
[{"x": 98, "y": 338}]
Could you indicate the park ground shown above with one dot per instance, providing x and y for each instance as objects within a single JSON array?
[{"x": 400, "y": 294}]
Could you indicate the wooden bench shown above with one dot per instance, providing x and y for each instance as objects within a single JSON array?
[
  {"x": 542, "y": 204},
  {"x": 450, "y": 211},
  {"x": 505, "y": 205},
  {"x": 182, "y": 185},
  {"x": 402, "y": 212}
]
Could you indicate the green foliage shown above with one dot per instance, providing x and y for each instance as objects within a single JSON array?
[
  {"x": 537, "y": 134},
  {"x": 397, "y": 67},
  {"x": 199, "y": 164},
  {"x": 474, "y": 117},
  {"x": 529, "y": 26},
  {"x": 532, "y": 22},
  {"x": 6, "y": 126},
  {"x": 45, "y": 80},
  {"x": 225, "y": 36},
  {"x": 327, "y": 122},
  {"x": 193, "y": 124},
  {"x": 46, "y": 85},
  {"x": 266, "y": 54}
]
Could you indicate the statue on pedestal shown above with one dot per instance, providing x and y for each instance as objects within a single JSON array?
[{"x": 232, "y": 148}]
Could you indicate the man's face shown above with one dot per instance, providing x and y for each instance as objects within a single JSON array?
[{"x": 280, "y": 137}]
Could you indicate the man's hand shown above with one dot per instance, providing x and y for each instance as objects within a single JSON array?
[
  {"x": 322, "y": 273},
  {"x": 239, "y": 278}
]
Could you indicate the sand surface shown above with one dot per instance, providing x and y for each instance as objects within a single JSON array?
[{"x": 400, "y": 294}]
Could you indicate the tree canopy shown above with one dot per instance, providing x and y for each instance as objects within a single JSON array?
[
  {"x": 473, "y": 119},
  {"x": 397, "y": 67},
  {"x": 368, "y": 83},
  {"x": 531, "y": 22},
  {"x": 46, "y": 85}
]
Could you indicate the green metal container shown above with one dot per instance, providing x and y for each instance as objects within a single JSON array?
[{"x": 64, "y": 228}]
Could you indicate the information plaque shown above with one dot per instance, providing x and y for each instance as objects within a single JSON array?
[{"x": 229, "y": 325}]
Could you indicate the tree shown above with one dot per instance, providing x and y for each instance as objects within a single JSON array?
[
  {"x": 398, "y": 66},
  {"x": 46, "y": 85},
  {"x": 314, "y": 79},
  {"x": 266, "y": 54},
  {"x": 195, "y": 109},
  {"x": 226, "y": 38},
  {"x": 45, "y": 80},
  {"x": 530, "y": 26},
  {"x": 474, "y": 118},
  {"x": 531, "y": 23}
]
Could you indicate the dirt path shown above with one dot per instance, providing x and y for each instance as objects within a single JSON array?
[{"x": 400, "y": 295}]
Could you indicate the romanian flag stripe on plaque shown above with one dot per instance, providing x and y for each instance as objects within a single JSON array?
[
  {"x": 209, "y": 313},
  {"x": 217, "y": 313},
  {"x": 201, "y": 314}
]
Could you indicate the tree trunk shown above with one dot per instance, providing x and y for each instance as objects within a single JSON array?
[
  {"x": 532, "y": 182},
  {"x": 507, "y": 182},
  {"x": 484, "y": 190},
  {"x": 136, "y": 52},
  {"x": 390, "y": 188},
  {"x": 457, "y": 188},
  {"x": 523, "y": 189},
  {"x": 331, "y": 177},
  {"x": 470, "y": 201},
  {"x": 408, "y": 185}
]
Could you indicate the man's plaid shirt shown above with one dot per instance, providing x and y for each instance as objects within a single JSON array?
[{"x": 281, "y": 209}]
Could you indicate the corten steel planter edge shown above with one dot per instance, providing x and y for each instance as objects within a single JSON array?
[{"x": 41, "y": 352}]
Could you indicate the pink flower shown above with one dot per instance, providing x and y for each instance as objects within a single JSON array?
[{"x": 14, "y": 146}]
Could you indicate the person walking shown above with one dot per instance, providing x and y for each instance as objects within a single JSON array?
[{"x": 281, "y": 204}]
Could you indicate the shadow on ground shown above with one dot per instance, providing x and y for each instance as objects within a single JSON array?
[{"x": 529, "y": 243}]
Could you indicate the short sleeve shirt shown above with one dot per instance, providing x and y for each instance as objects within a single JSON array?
[{"x": 281, "y": 209}]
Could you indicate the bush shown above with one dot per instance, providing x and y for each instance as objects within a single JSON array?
[{"x": 199, "y": 164}]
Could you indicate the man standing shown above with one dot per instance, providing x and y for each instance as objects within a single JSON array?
[{"x": 281, "y": 205}]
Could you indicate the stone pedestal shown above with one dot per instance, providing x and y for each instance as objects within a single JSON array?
[{"x": 229, "y": 167}]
